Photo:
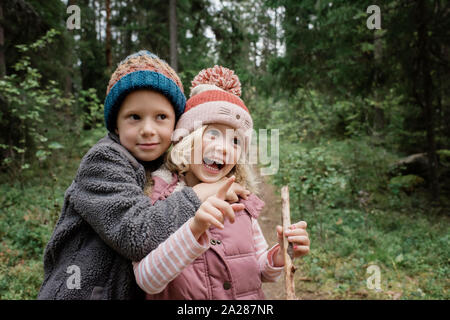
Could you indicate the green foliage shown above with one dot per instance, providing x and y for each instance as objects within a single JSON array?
[
  {"x": 26, "y": 104},
  {"x": 410, "y": 253},
  {"x": 91, "y": 110},
  {"x": 342, "y": 190},
  {"x": 315, "y": 174},
  {"x": 444, "y": 157},
  {"x": 309, "y": 114},
  {"x": 325, "y": 46},
  {"x": 29, "y": 106},
  {"x": 339, "y": 181},
  {"x": 29, "y": 214},
  {"x": 406, "y": 183}
]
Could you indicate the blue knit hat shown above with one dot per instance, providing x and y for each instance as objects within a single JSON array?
[{"x": 142, "y": 70}]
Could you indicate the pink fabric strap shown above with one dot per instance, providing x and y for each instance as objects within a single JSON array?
[{"x": 162, "y": 189}]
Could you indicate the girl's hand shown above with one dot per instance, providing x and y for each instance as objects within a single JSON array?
[
  {"x": 213, "y": 211},
  {"x": 299, "y": 237},
  {"x": 236, "y": 191},
  {"x": 206, "y": 190}
]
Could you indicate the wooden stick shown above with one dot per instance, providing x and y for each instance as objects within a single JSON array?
[{"x": 289, "y": 268}]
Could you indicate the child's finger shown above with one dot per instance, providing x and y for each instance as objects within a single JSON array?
[
  {"x": 299, "y": 225},
  {"x": 222, "y": 193},
  {"x": 206, "y": 217},
  {"x": 300, "y": 250},
  {"x": 237, "y": 207},
  {"x": 215, "y": 222},
  {"x": 279, "y": 232},
  {"x": 299, "y": 240},
  {"x": 240, "y": 190},
  {"x": 213, "y": 211},
  {"x": 225, "y": 207},
  {"x": 232, "y": 197},
  {"x": 296, "y": 232}
]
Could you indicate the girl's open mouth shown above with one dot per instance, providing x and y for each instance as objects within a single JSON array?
[{"x": 213, "y": 166}]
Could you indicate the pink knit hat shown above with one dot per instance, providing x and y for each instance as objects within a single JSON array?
[{"x": 215, "y": 99}]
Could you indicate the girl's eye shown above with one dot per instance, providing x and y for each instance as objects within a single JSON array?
[
  {"x": 212, "y": 134},
  {"x": 161, "y": 116},
  {"x": 134, "y": 117}
]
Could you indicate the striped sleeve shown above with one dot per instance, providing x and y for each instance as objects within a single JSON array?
[
  {"x": 269, "y": 273},
  {"x": 167, "y": 261}
]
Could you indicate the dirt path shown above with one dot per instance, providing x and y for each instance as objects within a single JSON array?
[{"x": 271, "y": 217}]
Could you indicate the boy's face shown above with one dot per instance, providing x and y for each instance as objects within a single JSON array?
[
  {"x": 221, "y": 149},
  {"x": 145, "y": 124}
]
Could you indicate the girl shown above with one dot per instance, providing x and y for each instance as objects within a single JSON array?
[{"x": 219, "y": 253}]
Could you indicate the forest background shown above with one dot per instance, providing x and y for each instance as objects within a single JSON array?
[{"x": 363, "y": 117}]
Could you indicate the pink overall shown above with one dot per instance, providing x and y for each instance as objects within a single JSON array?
[{"x": 229, "y": 269}]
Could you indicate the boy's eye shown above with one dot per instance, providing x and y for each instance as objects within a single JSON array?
[{"x": 161, "y": 116}]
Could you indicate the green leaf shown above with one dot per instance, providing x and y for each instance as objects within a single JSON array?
[
  {"x": 399, "y": 258},
  {"x": 55, "y": 145},
  {"x": 42, "y": 154}
]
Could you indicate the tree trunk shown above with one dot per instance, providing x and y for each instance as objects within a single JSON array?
[
  {"x": 425, "y": 81},
  {"x": 2, "y": 45},
  {"x": 128, "y": 33},
  {"x": 98, "y": 15},
  {"x": 173, "y": 34},
  {"x": 108, "y": 35},
  {"x": 68, "y": 79},
  {"x": 379, "y": 119}
]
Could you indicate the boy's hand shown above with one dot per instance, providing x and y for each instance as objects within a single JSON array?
[
  {"x": 213, "y": 211},
  {"x": 206, "y": 190},
  {"x": 299, "y": 237}
]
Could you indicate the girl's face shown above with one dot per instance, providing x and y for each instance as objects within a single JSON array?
[
  {"x": 145, "y": 124},
  {"x": 221, "y": 149}
]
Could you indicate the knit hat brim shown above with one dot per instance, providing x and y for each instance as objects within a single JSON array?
[
  {"x": 224, "y": 113},
  {"x": 143, "y": 79}
]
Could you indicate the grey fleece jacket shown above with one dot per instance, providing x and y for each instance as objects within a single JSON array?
[{"x": 106, "y": 222}]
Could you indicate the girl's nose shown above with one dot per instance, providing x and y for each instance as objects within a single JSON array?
[
  {"x": 226, "y": 150},
  {"x": 220, "y": 147}
]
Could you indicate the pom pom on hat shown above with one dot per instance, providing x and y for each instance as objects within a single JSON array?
[{"x": 219, "y": 76}]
